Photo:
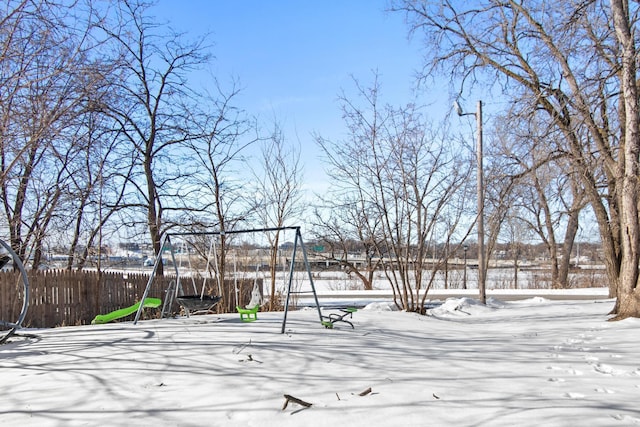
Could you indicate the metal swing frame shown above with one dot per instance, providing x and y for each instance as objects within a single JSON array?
[
  {"x": 13, "y": 327},
  {"x": 298, "y": 243}
]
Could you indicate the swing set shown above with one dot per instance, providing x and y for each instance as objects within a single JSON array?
[{"x": 207, "y": 296}]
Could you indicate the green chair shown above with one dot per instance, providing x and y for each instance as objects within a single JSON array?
[{"x": 248, "y": 314}]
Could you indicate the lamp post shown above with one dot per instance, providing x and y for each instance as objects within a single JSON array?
[
  {"x": 482, "y": 276},
  {"x": 465, "y": 248}
]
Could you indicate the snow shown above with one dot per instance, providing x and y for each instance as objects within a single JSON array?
[{"x": 529, "y": 362}]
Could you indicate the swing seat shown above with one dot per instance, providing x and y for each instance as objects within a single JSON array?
[
  {"x": 332, "y": 318},
  {"x": 248, "y": 314},
  {"x": 197, "y": 303}
]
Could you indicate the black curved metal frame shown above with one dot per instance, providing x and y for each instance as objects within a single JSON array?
[{"x": 17, "y": 262}]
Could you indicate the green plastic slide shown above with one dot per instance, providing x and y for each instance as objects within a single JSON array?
[{"x": 124, "y": 312}]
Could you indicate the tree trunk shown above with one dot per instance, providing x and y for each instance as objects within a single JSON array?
[
  {"x": 569, "y": 238},
  {"x": 273, "y": 264},
  {"x": 153, "y": 218},
  {"x": 628, "y": 303}
]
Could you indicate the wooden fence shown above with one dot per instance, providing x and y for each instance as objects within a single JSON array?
[{"x": 61, "y": 297}]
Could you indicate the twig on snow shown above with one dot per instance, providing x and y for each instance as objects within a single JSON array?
[{"x": 290, "y": 398}]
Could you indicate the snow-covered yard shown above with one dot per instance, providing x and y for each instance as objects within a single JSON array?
[{"x": 533, "y": 362}]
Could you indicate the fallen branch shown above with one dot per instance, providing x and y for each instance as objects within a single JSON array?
[
  {"x": 365, "y": 392},
  {"x": 290, "y": 398}
]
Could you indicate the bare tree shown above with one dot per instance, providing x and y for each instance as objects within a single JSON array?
[
  {"x": 96, "y": 188},
  {"x": 407, "y": 182},
  {"x": 218, "y": 154},
  {"x": 565, "y": 59},
  {"x": 628, "y": 292},
  {"x": 547, "y": 196},
  {"x": 516, "y": 232},
  {"x": 153, "y": 111},
  {"x": 44, "y": 67},
  {"x": 279, "y": 194},
  {"x": 345, "y": 225}
]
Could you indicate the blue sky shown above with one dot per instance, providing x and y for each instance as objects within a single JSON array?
[{"x": 293, "y": 58}]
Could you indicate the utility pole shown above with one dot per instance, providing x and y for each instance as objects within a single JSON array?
[{"x": 482, "y": 271}]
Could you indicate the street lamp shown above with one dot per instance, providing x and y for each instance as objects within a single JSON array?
[
  {"x": 482, "y": 276},
  {"x": 465, "y": 248}
]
